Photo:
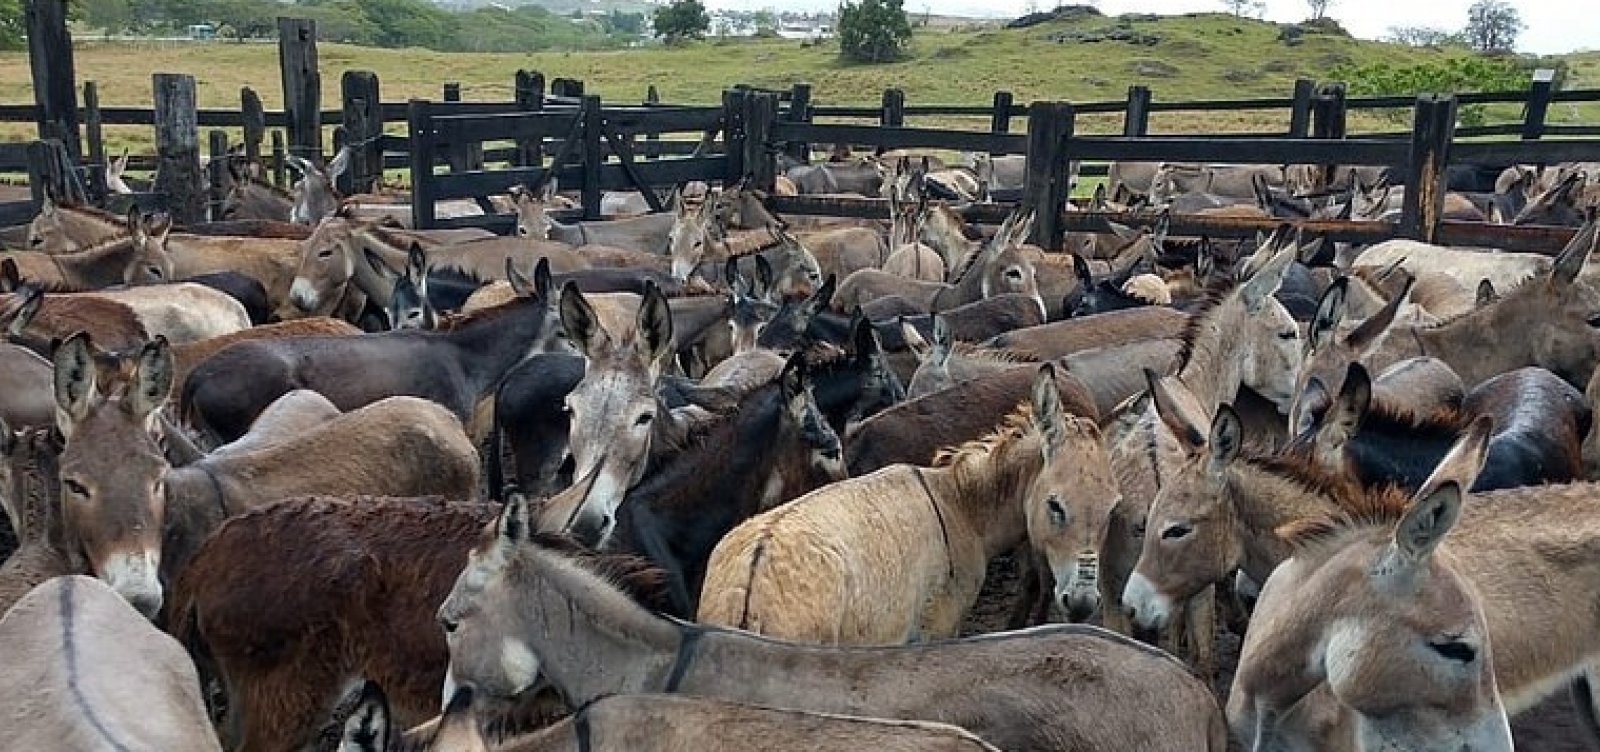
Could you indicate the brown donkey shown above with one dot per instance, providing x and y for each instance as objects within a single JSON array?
[
  {"x": 908, "y": 548},
  {"x": 30, "y": 491},
  {"x": 521, "y": 612},
  {"x": 137, "y": 519}
]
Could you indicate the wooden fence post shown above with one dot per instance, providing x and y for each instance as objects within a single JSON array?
[
  {"x": 799, "y": 112},
  {"x": 1000, "y": 117},
  {"x": 95, "y": 136},
  {"x": 1328, "y": 119},
  {"x": 652, "y": 139},
  {"x": 1300, "y": 111},
  {"x": 420, "y": 130},
  {"x": 255, "y": 124},
  {"x": 46, "y": 173},
  {"x": 530, "y": 98},
  {"x": 217, "y": 173},
  {"x": 1045, "y": 193},
  {"x": 302, "y": 86},
  {"x": 733, "y": 134},
  {"x": 593, "y": 156},
  {"x": 761, "y": 111},
  {"x": 363, "y": 129},
  {"x": 566, "y": 87},
  {"x": 1136, "y": 119},
  {"x": 55, "y": 92},
  {"x": 1426, "y": 182},
  {"x": 1538, "y": 104},
  {"x": 893, "y": 114},
  {"x": 280, "y": 167},
  {"x": 467, "y": 155},
  {"x": 178, "y": 177}
]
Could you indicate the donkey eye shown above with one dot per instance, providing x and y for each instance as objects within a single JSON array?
[
  {"x": 1455, "y": 650},
  {"x": 1594, "y": 321},
  {"x": 644, "y": 419},
  {"x": 1058, "y": 513},
  {"x": 1176, "y": 530},
  {"x": 1288, "y": 335},
  {"x": 326, "y": 253},
  {"x": 77, "y": 489}
]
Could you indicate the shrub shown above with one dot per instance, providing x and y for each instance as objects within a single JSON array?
[{"x": 873, "y": 31}]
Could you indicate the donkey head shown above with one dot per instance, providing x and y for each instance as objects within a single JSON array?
[
  {"x": 409, "y": 307},
  {"x": 327, "y": 264},
  {"x": 150, "y": 263},
  {"x": 1068, "y": 508},
  {"x": 789, "y": 328},
  {"x": 752, "y": 303},
  {"x": 1560, "y": 204},
  {"x": 113, "y": 471},
  {"x": 694, "y": 229},
  {"x": 1329, "y": 353},
  {"x": 314, "y": 194},
  {"x": 533, "y": 221},
  {"x": 615, "y": 410},
  {"x": 48, "y": 230},
  {"x": 1006, "y": 265}
]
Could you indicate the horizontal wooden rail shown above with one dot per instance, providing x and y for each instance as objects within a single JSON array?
[
  {"x": 898, "y": 138},
  {"x": 1241, "y": 151}
]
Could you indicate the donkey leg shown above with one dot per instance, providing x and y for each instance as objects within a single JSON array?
[
  {"x": 1200, "y": 617},
  {"x": 1025, "y": 610}
]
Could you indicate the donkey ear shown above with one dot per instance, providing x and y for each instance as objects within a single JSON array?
[
  {"x": 1330, "y": 312},
  {"x": 763, "y": 275},
  {"x": 1080, "y": 267},
  {"x": 24, "y": 306},
  {"x": 819, "y": 301},
  {"x": 543, "y": 281},
  {"x": 417, "y": 261},
  {"x": 367, "y": 727},
  {"x": 152, "y": 378},
  {"x": 1205, "y": 260},
  {"x": 1265, "y": 281},
  {"x": 1486, "y": 294},
  {"x": 520, "y": 284},
  {"x": 1570, "y": 262},
  {"x": 379, "y": 265},
  {"x": 1227, "y": 437},
  {"x": 730, "y": 274},
  {"x": 340, "y": 163},
  {"x": 1168, "y": 395},
  {"x": 862, "y": 335},
  {"x": 10, "y": 277},
  {"x": 792, "y": 380},
  {"x": 1367, "y": 334},
  {"x": 514, "y": 526},
  {"x": 74, "y": 381},
  {"x": 579, "y": 321},
  {"x": 914, "y": 341},
  {"x": 655, "y": 323},
  {"x": 943, "y": 341},
  {"x": 1437, "y": 504},
  {"x": 1045, "y": 399},
  {"x": 1343, "y": 419}
]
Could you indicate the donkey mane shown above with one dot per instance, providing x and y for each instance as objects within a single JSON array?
[
  {"x": 633, "y": 577},
  {"x": 457, "y": 321},
  {"x": 978, "y": 351},
  {"x": 1210, "y": 299},
  {"x": 1443, "y": 422},
  {"x": 278, "y": 191},
  {"x": 1442, "y": 323},
  {"x": 95, "y": 212},
  {"x": 1358, "y": 510}
]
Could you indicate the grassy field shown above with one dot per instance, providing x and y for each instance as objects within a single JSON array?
[{"x": 1193, "y": 57}]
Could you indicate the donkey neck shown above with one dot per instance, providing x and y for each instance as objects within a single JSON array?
[
  {"x": 980, "y": 495},
  {"x": 1478, "y": 346},
  {"x": 196, "y": 504},
  {"x": 1212, "y": 372},
  {"x": 496, "y": 339},
  {"x": 591, "y": 639},
  {"x": 1262, "y": 501}
]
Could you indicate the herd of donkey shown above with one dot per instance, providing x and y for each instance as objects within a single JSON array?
[{"x": 305, "y": 478}]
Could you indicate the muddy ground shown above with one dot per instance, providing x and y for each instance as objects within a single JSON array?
[{"x": 1553, "y": 726}]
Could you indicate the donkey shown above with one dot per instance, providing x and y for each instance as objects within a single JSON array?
[
  {"x": 1004, "y": 265},
  {"x": 454, "y": 368},
  {"x": 270, "y": 261},
  {"x": 651, "y": 723},
  {"x": 1422, "y": 670},
  {"x": 66, "y": 228},
  {"x": 250, "y": 198},
  {"x": 1049, "y": 688},
  {"x": 314, "y": 194},
  {"x": 85, "y": 671},
  {"x": 647, "y": 233},
  {"x": 30, "y": 491},
  {"x": 38, "y": 321},
  {"x": 970, "y": 508},
  {"x": 138, "y": 520}
]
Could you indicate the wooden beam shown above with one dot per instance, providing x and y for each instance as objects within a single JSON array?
[
  {"x": 1136, "y": 121},
  {"x": 1000, "y": 116},
  {"x": 593, "y": 157},
  {"x": 1300, "y": 109},
  {"x": 55, "y": 93},
  {"x": 178, "y": 175},
  {"x": 1426, "y": 181},
  {"x": 302, "y": 86},
  {"x": 255, "y": 123},
  {"x": 420, "y": 130},
  {"x": 363, "y": 127},
  {"x": 217, "y": 174},
  {"x": 94, "y": 134},
  {"x": 1045, "y": 192},
  {"x": 530, "y": 98}
]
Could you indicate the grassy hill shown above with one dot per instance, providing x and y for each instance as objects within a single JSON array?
[{"x": 1179, "y": 58}]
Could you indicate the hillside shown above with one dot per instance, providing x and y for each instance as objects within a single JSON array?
[{"x": 1185, "y": 57}]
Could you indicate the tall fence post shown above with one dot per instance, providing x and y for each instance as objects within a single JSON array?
[
  {"x": 95, "y": 136},
  {"x": 280, "y": 172},
  {"x": 467, "y": 155},
  {"x": 216, "y": 174},
  {"x": 1045, "y": 192},
  {"x": 566, "y": 87},
  {"x": 255, "y": 124},
  {"x": 55, "y": 91},
  {"x": 419, "y": 128},
  {"x": 652, "y": 139},
  {"x": 1136, "y": 119},
  {"x": 799, "y": 112},
  {"x": 1300, "y": 110},
  {"x": 593, "y": 155},
  {"x": 47, "y": 176},
  {"x": 530, "y": 98},
  {"x": 1328, "y": 119},
  {"x": 1538, "y": 105},
  {"x": 761, "y": 111},
  {"x": 733, "y": 134},
  {"x": 363, "y": 129},
  {"x": 302, "y": 86},
  {"x": 178, "y": 177},
  {"x": 1426, "y": 182},
  {"x": 1000, "y": 116},
  {"x": 893, "y": 112}
]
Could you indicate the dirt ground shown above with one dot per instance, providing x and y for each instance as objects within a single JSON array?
[{"x": 1552, "y": 726}]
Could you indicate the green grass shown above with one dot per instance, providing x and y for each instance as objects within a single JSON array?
[{"x": 1199, "y": 57}]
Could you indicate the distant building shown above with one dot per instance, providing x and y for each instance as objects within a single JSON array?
[{"x": 202, "y": 31}]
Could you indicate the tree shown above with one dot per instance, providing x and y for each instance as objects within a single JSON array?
[
  {"x": 1242, "y": 8},
  {"x": 110, "y": 16},
  {"x": 681, "y": 20},
  {"x": 1493, "y": 25},
  {"x": 11, "y": 24},
  {"x": 1423, "y": 36},
  {"x": 873, "y": 31},
  {"x": 1319, "y": 8}
]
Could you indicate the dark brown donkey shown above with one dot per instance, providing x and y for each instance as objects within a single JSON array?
[
  {"x": 286, "y": 604},
  {"x": 454, "y": 368},
  {"x": 30, "y": 489}
]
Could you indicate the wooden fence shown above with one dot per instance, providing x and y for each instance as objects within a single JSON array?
[{"x": 594, "y": 146}]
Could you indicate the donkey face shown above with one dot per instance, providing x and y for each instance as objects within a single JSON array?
[
  {"x": 112, "y": 469},
  {"x": 693, "y": 229},
  {"x": 752, "y": 307},
  {"x": 1009, "y": 267},
  {"x": 614, "y": 411},
  {"x": 48, "y": 230},
  {"x": 314, "y": 194},
  {"x": 802, "y": 424},
  {"x": 1068, "y": 508},
  {"x": 533, "y": 221},
  {"x": 1191, "y": 541},
  {"x": 1329, "y": 353},
  {"x": 150, "y": 262},
  {"x": 480, "y": 616},
  {"x": 1567, "y": 341},
  {"x": 1558, "y": 205},
  {"x": 327, "y": 262}
]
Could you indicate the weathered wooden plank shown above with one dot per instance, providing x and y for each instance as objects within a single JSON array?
[
  {"x": 1527, "y": 152},
  {"x": 529, "y": 98},
  {"x": 1300, "y": 108},
  {"x": 901, "y": 138},
  {"x": 1136, "y": 120},
  {"x": 611, "y": 177},
  {"x": 363, "y": 127},
  {"x": 302, "y": 85},
  {"x": 178, "y": 175},
  {"x": 95, "y": 136},
  {"x": 1000, "y": 115},
  {"x": 254, "y": 122},
  {"x": 761, "y": 113},
  {"x": 217, "y": 174},
  {"x": 55, "y": 93},
  {"x": 1259, "y": 150},
  {"x": 1426, "y": 181},
  {"x": 593, "y": 157},
  {"x": 1045, "y": 192},
  {"x": 423, "y": 182}
]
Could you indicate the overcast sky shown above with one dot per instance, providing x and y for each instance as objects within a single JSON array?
[{"x": 1553, "y": 26}]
